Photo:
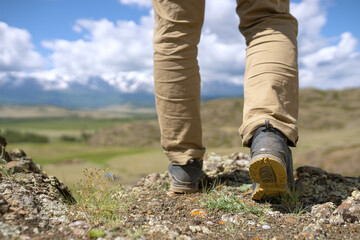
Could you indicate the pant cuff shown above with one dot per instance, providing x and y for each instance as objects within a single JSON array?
[
  {"x": 289, "y": 130},
  {"x": 182, "y": 157}
]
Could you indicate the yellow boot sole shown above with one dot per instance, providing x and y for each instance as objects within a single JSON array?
[{"x": 270, "y": 177}]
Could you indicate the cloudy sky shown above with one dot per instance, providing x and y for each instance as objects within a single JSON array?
[{"x": 59, "y": 42}]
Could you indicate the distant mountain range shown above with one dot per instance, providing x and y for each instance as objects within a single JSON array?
[{"x": 96, "y": 93}]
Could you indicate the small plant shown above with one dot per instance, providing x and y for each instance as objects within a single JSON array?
[
  {"x": 6, "y": 172},
  {"x": 96, "y": 233},
  {"x": 227, "y": 201},
  {"x": 164, "y": 186},
  {"x": 135, "y": 233},
  {"x": 207, "y": 184},
  {"x": 245, "y": 187},
  {"x": 235, "y": 229},
  {"x": 291, "y": 203},
  {"x": 100, "y": 202}
]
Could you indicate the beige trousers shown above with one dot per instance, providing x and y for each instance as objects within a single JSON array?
[{"x": 271, "y": 75}]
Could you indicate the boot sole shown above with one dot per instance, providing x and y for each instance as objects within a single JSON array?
[{"x": 270, "y": 176}]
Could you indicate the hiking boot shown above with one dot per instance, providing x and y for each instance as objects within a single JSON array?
[
  {"x": 185, "y": 178},
  {"x": 271, "y": 167}
]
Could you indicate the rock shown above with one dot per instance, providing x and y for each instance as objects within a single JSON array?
[
  {"x": 4, "y": 206},
  {"x": 317, "y": 186},
  {"x": 16, "y": 153},
  {"x": 309, "y": 170},
  {"x": 214, "y": 163},
  {"x": 266, "y": 227},
  {"x": 16, "y": 167},
  {"x": 24, "y": 237},
  {"x": 3, "y": 142},
  {"x": 348, "y": 210},
  {"x": 9, "y": 230},
  {"x": 30, "y": 199},
  {"x": 323, "y": 210},
  {"x": 237, "y": 219},
  {"x": 290, "y": 220},
  {"x": 23, "y": 164},
  {"x": 226, "y": 169},
  {"x": 203, "y": 229},
  {"x": 153, "y": 180},
  {"x": 206, "y": 230},
  {"x": 195, "y": 229},
  {"x": 313, "y": 231},
  {"x": 243, "y": 163}
]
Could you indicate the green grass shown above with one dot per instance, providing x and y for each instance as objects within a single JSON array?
[
  {"x": 62, "y": 151},
  {"x": 101, "y": 203},
  {"x": 103, "y": 154},
  {"x": 67, "y": 123},
  {"x": 129, "y": 163},
  {"x": 227, "y": 201},
  {"x": 15, "y": 136},
  {"x": 96, "y": 233},
  {"x": 292, "y": 203},
  {"x": 4, "y": 171}
]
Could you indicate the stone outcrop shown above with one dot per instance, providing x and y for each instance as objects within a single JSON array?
[{"x": 30, "y": 201}]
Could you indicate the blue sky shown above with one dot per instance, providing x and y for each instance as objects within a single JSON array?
[
  {"x": 49, "y": 40},
  {"x": 342, "y": 16},
  {"x": 54, "y": 19}
]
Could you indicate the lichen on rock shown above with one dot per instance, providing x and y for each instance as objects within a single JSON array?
[{"x": 30, "y": 200}]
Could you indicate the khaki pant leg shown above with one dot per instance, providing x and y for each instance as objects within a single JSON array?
[
  {"x": 176, "y": 74},
  {"x": 271, "y": 75}
]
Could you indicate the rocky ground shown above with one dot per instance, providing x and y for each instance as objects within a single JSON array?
[{"x": 36, "y": 206}]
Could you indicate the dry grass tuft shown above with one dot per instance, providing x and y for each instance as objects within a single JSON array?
[{"x": 99, "y": 202}]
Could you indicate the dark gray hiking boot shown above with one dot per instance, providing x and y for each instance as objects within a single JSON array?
[
  {"x": 185, "y": 178},
  {"x": 271, "y": 167}
]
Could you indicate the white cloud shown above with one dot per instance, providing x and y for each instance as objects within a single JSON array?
[
  {"x": 222, "y": 47},
  {"x": 111, "y": 51},
  {"x": 327, "y": 55},
  {"x": 221, "y": 19},
  {"x": 324, "y": 64},
  {"x": 311, "y": 15},
  {"x": 332, "y": 66},
  {"x": 141, "y": 3},
  {"x": 17, "y": 51}
]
